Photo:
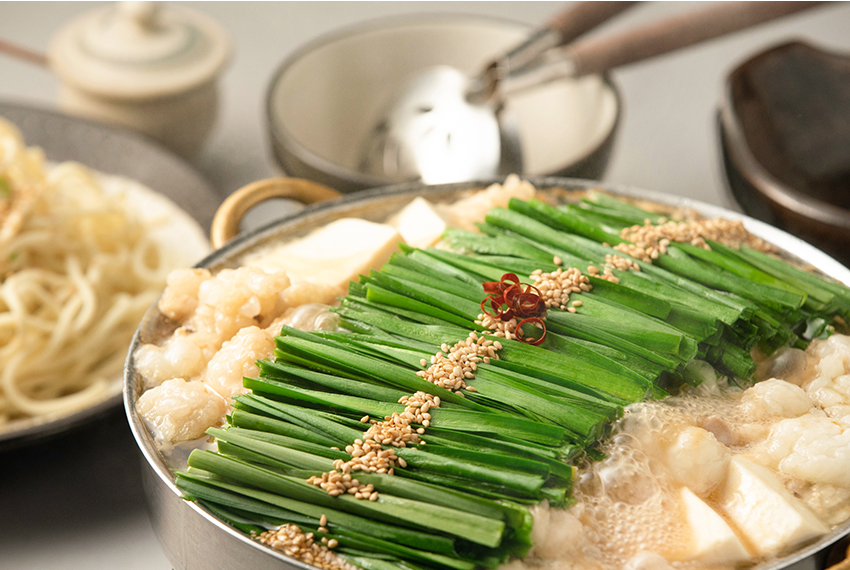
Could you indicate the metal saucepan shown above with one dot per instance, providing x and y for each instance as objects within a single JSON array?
[
  {"x": 325, "y": 97},
  {"x": 192, "y": 538}
]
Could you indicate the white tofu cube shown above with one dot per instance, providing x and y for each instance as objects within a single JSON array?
[
  {"x": 770, "y": 518},
  {"x": 419, "y": 223},
  {"x": 334, "y": 254},
  {"x": 713, "y": 540}
]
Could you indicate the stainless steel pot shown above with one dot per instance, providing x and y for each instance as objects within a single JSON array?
[{"x": 192, "y": 538}]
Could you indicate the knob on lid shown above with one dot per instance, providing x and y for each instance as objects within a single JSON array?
[{"x": 139, "y": 50}]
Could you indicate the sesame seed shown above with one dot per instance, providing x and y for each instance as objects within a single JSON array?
[
  {"x": 649, "y": 241},
  {"x": 291, "y": 540}
]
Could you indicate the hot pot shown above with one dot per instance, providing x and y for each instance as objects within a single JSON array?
[{"x": 194, "y": 539}]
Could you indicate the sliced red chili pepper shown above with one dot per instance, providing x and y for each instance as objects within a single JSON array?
[
  {"x": 520, "y": 335},
  {"x": 509, "y": 298},
  {"x": 500, "y": 310},
  {"x": 484, "y": 308},
  {"x": 503, "y": 309},
  {"x": 530, "y": 304},
  {"x": 511, "y": 293}
]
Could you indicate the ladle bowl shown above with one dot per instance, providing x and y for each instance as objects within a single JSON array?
[{"x": 433, "y": 132}]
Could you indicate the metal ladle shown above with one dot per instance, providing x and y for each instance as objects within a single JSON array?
[{"x": 447, "y": 127}]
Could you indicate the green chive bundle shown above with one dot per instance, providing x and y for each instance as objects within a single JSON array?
[{"x": 461, "y": 501}]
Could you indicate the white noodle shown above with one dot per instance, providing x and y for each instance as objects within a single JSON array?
[{"x": 78, "y": 272}]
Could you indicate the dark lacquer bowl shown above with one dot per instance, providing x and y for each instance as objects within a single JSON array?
[{"x": 785, "y": 134}]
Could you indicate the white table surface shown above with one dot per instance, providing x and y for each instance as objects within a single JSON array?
[{"x": 77, "y": 503}]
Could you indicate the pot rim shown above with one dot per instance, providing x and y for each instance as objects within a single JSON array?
[{"x": 245, "y": 242}]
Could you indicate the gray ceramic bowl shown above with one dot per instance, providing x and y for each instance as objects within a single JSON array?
[
  {"x": 113, "y": 151},
  {"x": 325, "y": 98},
  {"x": 194, "y": 539}
]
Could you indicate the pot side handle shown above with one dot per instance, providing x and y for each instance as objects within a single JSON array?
[{"x": 228, "y": 217}]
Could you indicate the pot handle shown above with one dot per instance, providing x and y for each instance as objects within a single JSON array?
[{"x": 228, "y": 217}]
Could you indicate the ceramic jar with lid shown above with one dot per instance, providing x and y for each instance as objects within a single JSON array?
[{"x": 149, "y": 66}]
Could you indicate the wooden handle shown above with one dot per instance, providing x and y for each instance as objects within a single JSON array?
[
  {"x": 600, "y": 55},
  {"x": 228, "y": 217},
  {"x": 582, "y": 17},
  {"x": 22, "y": 53},
  {"x": 578, "y": 18}
]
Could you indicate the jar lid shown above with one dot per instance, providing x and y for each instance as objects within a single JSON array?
[{"x": 139, "y": 50}]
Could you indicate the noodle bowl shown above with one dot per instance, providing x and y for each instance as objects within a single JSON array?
[{"x": 79, "y": 269}]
